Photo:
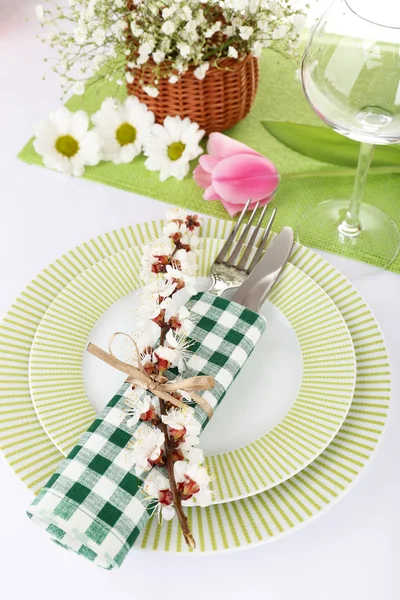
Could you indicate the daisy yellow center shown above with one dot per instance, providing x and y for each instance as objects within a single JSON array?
[
  {"x": 67, "y": 145},
  {"x": 126, "y": 134},
  {"x": 175, "y": 150}
]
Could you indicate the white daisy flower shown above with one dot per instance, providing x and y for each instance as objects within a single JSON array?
[
  {"x": 193, "y": 483},
  {"x": 172, "y": 146},
  {"x": 65, "y": 143},
  {"x": 123, "y": 128},
  {"x": 146, "y": 448}
]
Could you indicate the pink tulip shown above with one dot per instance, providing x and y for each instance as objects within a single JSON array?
[{"x": 232, "y": 173}]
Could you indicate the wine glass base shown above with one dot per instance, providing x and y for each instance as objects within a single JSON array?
[{"x": 377, "y": 243}]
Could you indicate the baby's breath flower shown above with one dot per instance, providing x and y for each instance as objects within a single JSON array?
[
  {"x": 232, "y": 52},
  {"x": 168, "y": 27},
  {"x": 79, "y": 88},
  {"x": 245, "y": 32},
  {"x": 175, "y": 34},
  {"x": 201, "y": 71},
  {"x": 39, "y": 10},
  {"x": 151, "y": 91}
]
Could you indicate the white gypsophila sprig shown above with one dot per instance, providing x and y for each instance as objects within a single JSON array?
[{"x": 102, "y": 37}]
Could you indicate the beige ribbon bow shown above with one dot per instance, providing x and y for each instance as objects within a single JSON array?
[{"x": 157, "y": 384}]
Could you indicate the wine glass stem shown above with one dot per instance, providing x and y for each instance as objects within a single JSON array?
[{"x": 351, "y": 225}]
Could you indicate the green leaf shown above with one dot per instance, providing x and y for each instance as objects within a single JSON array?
[{"x": 325, "y": 145}]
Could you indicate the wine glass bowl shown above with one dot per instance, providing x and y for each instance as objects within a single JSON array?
[{"x": 351, "y": 77}]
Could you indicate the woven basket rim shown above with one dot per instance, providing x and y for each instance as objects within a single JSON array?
[{"x": 224, "y": 61}]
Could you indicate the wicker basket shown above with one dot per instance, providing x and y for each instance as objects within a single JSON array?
[{"x": 217, "y": 102}]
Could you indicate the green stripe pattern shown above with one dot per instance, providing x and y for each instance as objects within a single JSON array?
[{"x": 255, "y": 520}]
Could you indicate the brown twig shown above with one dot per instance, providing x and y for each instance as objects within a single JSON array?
[{"x": 182, "y": 518}]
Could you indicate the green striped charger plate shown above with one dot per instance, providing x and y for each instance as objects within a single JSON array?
[
  {"x": 243, "y": 523},
  {"x": 58, "y": 386}
]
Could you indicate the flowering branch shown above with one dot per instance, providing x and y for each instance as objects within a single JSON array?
[
  {"x": 165, "y": 435},
  {"x": 169, "y": 449}
]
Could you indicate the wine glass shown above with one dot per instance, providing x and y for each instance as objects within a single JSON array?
[{"x": 351, "y": 77}]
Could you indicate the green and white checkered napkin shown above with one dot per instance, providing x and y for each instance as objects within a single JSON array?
[{"x": 94, "y": 504}]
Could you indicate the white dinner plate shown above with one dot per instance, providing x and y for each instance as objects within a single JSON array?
[{"x": 284, "y": 408}]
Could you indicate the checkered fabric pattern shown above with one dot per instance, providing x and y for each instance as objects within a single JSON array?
[{"x": 94, "y": 504}]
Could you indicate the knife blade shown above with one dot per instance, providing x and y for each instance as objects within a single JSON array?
[{"x": 255, "y": 289}]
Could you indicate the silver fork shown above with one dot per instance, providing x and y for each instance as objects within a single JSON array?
[{"x": 229, "y": 273}]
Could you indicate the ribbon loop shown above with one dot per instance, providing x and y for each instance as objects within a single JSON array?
[{"x": 159, "y": 385}]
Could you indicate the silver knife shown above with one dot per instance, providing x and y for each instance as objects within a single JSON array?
[{"x": 255, "y": 289}]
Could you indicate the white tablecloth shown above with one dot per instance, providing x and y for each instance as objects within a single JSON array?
[{"x": 351, "y": 553}]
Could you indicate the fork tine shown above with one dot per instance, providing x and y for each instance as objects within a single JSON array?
[
  {"x": 263, "y": 243},
  {"x": 242, "y": 239},
  {"x": 243, "y": 260},
  {"x": 224, "y": 251}
]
